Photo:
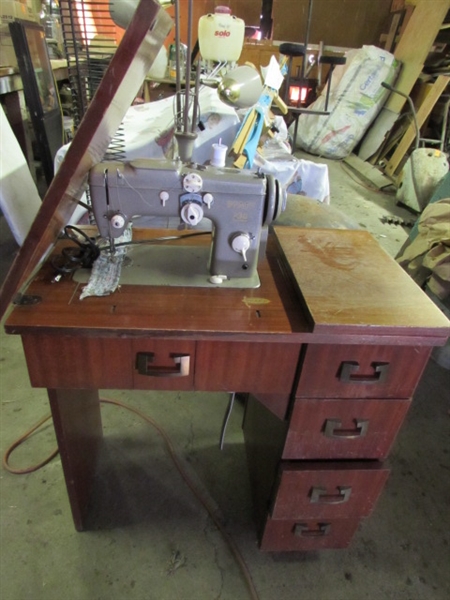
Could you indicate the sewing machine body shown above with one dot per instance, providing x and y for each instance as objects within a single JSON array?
[{"x": 238, "y": 203}]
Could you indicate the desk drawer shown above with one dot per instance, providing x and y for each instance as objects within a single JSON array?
[
  {"x": 69, "y": 362},
  {"x": 307, "y": 535},
  {"x": 361, "y": 371},
  {"x": 109, "y": 363},
  {"x": 332, "y": 490},
  {"x": 268, "y": 368},
  {"x": 331, "y": 428}
]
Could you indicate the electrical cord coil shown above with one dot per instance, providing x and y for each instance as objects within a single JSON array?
[
  {"x": 82, "y": 255},
  {"x": 20, "y": 441}
]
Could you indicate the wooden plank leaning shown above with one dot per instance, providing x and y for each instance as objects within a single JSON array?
[
  {"x": 423, "y": 112},
  {"x": 412, "y": 50}
]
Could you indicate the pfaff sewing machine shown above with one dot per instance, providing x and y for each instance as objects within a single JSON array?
[{"x": 238, "y": 203}]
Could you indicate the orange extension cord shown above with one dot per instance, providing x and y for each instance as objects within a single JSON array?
[{"x": 203, "y": 501}]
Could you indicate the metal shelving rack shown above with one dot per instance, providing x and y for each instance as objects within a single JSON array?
[{"x": 89, "y": 40}]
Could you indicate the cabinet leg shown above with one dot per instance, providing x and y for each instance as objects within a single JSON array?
[{"x": 78, "y": 427}]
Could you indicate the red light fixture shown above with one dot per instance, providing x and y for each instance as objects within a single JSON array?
[
  {"x": 301, "y": 92},
  {"x": 298, "y": 94}
]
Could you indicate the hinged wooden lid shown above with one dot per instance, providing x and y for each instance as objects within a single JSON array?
[
  {"x": 126, "y": 72},
  {"x": 349, "y": 284}
]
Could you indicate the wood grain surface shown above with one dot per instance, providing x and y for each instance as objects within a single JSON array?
[
  {"x": 307, "y": 439},
  {"x": 321, "y": 286},
  {"x": 78, "y": 427},
  {"x": 323, "y": 371},
  {"x": 140, "y": 310},
  {"x": 364, "y": 479},
  {"x": 347, "y": 282}
]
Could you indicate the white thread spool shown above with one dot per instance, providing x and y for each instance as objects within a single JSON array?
[{"x": 219, "y": 155}]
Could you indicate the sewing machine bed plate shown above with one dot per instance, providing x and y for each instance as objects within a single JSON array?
[{"x": 170, "y": 265}]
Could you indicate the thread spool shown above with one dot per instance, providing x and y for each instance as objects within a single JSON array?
[{"x": 219, "y": 155}]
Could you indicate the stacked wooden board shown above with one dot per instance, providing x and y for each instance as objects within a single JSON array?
[{"x": 415, "y": 41}]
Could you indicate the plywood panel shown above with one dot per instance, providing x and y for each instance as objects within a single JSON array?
[
  {"x": 415, "y": 44},
  {"x": 258, "y": 53},
  {"x": 348, "y": 283},
  {"x": 346, "y": 23}
]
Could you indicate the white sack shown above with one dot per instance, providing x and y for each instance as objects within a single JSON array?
[{"x": 356, "y": 97}]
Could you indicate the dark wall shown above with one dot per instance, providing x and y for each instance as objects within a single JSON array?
[{"x": 345, "y": 23}]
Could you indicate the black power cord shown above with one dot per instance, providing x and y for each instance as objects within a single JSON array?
[
  {"x": 82, "y": 255},
  {"x": 87, "y": 249}
]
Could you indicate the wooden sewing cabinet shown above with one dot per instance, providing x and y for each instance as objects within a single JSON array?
[{"x": 329, "y": 349}]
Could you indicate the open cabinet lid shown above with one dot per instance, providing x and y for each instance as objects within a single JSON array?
[{"x": 125, "y": 74}]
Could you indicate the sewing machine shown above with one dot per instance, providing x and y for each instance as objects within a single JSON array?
[{"x": 239, "y": 204}]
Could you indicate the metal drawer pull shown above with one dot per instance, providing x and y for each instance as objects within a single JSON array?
[
  {"x": 179, "y": 369},
  {"x": 319, "y": 495},
  {"x": 348, "y": 373},
  {"x": 303, "y": 530},
  {"x": 333, "y": 429}
]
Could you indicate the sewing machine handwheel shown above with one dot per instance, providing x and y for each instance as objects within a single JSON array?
[
  {"x": 270, "y": 200},
  {"x": 275, "y": 203},
  {"x": 281, "y": 196}
]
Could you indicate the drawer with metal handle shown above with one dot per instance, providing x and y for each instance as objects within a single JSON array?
[
  {"x": 336, "y": 428},
  {"x": 347, "y": 371},
  {"x": 316, "y": 490},
  {"x": 110, "y": 362},
  {"x": 306, "y": 535}
]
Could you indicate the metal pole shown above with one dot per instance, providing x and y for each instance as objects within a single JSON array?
[
  {"x": 177, "y": 50},
  {"x": 308, "y": 25},
  {"x": 188, "y": 68},
  {"x": 196, "y": 92},
  {"x": 391, "y": 88}
]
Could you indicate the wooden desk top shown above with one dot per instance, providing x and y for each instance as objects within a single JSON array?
[
  {"x": 138, "y": 310},
  {"x": 316, "y": 285}
]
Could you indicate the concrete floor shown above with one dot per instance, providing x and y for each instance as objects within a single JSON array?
[{"x": 150, "y": 538}]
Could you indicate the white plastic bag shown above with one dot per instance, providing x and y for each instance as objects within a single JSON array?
[
  {"x": 356, "y": 97},
  {"x": 311, "y": 179},
  {"x": 297, "y": 175}
]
